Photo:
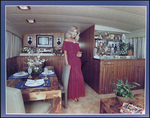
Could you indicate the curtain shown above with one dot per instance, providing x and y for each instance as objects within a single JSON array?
[
  {"x": 13, "y": 45},
  {"x": 139, "y": 46}
]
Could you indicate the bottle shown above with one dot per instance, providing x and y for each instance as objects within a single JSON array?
[
  {"x": 118, "y": 49},
  {"x": 96, "y": 43},
  {"x": 115, "y": 48},
  {"x": 112, "y": 45},
  {"x": 109, "y": 47},
  {"x": 112, "y": 51}
]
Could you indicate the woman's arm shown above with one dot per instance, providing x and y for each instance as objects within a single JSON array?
[
  {"x": 79, "y": 53},
  {"x": 66, "y": 59}
]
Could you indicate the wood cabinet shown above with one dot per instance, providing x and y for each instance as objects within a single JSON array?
[
  {"x": 139, "y": 73},
  {"x": 99, "y": 74},
  {"x": 132, "y": 69},
  {"x": 33, "y": 38},
  {"x": 124, "y": 69},
  {"x": 107, "y": 78}
]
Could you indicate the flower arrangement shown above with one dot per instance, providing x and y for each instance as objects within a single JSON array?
[
  {"x": 27, "y": 49},
  {"x": 36, "y": 64}
]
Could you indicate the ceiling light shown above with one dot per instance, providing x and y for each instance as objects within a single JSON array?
[
  {"x": 24, "y": 7},
  {"x": 30, "y": 20}
]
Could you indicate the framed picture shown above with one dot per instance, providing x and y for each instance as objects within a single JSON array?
[
  {"x": 58, "y": 40},
  {"x": 29, "y": 41}
]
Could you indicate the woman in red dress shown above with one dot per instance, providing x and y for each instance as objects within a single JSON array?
[{"x": 72, "y": 56}]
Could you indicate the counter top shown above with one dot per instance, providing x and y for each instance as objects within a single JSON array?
[
  {"x": 114, "y": 57},
  {"x": 36, "y": 54}
]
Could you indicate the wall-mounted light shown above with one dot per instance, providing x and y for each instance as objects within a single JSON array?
[
  {"x": 30, "y": 20},
  {"x": 24, "y": 7}
]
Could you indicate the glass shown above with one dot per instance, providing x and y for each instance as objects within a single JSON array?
[
  {"x": 45, "y": 72},
  {"x": 29, "y": 71}
]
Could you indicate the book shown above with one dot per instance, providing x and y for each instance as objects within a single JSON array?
[{"x": 131, "y": 109}]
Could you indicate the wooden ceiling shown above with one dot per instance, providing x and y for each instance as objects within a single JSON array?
[{"x": 58, "y": 18}]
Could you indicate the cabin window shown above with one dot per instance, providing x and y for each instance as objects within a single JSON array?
[
  {"x": 13, "y": 45},
  {"x": 139, "y": 46}
]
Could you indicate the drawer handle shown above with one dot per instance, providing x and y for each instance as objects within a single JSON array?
[
  {"x": 108, "y": 62},
  {"x": 125, "y": 62}
]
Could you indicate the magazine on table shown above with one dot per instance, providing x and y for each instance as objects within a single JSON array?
[{"x": 131, "y": 109}]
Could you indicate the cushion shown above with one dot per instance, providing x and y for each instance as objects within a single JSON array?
[
  {"x": 37, "y": 107},
  {"x": 14, "y": 101}
]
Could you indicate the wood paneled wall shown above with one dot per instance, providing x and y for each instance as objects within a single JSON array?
[
  {"x": 11, "y": 66},
  {"x": 16, "y": 64},
  {"x": 57, "y": 62},
  {"x": 98, "y": 74},
  {"x": 90, "y": 66},
  {"x": 132, "y": 69}
]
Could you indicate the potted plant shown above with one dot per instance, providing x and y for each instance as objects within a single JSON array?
[
  {"x": 123, "y": 48},
  {"x": 130, "y": 49},
  {"x": 122, "y": 90}
]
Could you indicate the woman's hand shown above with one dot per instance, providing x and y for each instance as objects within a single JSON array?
[
  {"x": 68, "y": 66},
  {"x": 79, "y": 54}
]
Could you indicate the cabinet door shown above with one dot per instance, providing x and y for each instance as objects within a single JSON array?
[
  {"x": 107, "y": 78},
  {"x": 140, "y": 76},
  {"x": 124, "y": 69},
  {"x": 123, "y": 72}
]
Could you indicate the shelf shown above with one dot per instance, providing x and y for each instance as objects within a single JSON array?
[
  {"x": 36, "y": 54},
  {"x": 109, "y": 40}
]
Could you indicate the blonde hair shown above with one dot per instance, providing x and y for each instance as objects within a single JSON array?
[{"x": 68, "y": 35}]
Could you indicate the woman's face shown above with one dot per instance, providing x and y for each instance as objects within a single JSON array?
[{"x": 73, "y": 33}]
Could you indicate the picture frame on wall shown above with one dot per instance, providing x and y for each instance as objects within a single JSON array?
[
  {"x": 58, "y": 40},
  {"x": 29, "y": 41}
]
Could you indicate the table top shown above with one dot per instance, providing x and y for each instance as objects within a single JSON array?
[
  {"x": 112, "y": 105},
  {"x": 28, "y": 92}
]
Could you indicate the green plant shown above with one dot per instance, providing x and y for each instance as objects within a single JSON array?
[
  {"x": 123, "y": 89},
  {"x": 122, "y": 46},
  {"x": 130, "y": 46}
]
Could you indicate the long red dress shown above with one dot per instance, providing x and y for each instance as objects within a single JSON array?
[{"x": 76, "y": 82}]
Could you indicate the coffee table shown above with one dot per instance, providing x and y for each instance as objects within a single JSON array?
[{"x": 112, "y": 105}]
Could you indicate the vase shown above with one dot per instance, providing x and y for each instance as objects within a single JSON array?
[
  {"x": 123, "y": 99},
  {"x": 130, "y": 52},
  {"x": 37, "y": 69}
]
